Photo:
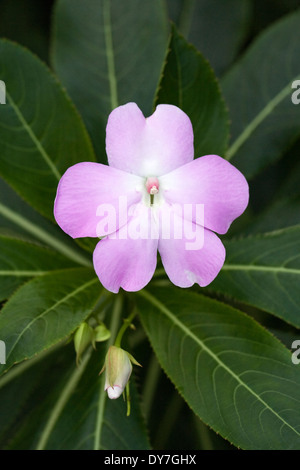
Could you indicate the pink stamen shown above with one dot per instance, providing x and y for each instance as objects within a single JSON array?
[{"x": 152, "y": 185}]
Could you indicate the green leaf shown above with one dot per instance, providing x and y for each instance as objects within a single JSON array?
[
  {"x": 20, "y": 260},
  {"x": 258, "y": 92},
  {"x": 46, "y": 310},
  {"x": 264, "y": 271},
  {"x": 282, "y": 213},
  {"x": 189, "y": 83},
  {"x": 108, "y": 53},
  {"x": 220, "y": 43},
  {"x": 83, "y": 337},
  {"x": 235, "y": 375},
  {"x": 41, "y": 133}
]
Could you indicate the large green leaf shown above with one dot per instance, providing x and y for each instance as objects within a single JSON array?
[
  {"x": 41, "y": 134},
  {"x": 20, "y": 260},
  {"x": 67, "y": 417},
  {"x": 46, "y": 310},
  {"x": 108, "y": 53},
  {"x": 264, "y": 271},
  {"x": 258, "y": 92},
  {"x": 220, "y": 43},
  {"x": 189, "y": 83},
  {"x": 235, "y": 375}
]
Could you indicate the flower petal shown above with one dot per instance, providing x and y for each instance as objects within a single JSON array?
[
  {"x": 149, "y": 146},
  {"x": 211, "y": 181},
  {"x": 194, "y": 257},
  {"x": 127, "y": 259},
  {"x": 114, "y": 392},
  {"x": 87, "y": 189}
]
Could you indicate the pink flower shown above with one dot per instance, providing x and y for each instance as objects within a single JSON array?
[{"x": 152, "y": 178}]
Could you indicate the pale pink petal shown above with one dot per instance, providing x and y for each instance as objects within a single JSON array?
[
  {"x": 88, "y": 192},
  {"x": 192, "y": 254},
  {"x": 128, "y": 258},
  {"x": 149, "y": 146},
  {"x": 211, "y": 181}
]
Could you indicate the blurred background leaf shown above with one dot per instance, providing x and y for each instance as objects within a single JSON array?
[
  {"x": 187, "y": 81},
  {"x": 108, "y": 53},
  {"x": 258, "y": 93},
  {"x": 218, "y": 29},
  {"x": 28, "y": 23},
  {"x": 275, "y": 195}
]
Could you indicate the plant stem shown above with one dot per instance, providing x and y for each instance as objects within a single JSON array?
[
  {"x": 126, "y": 324},
  {"x": 116, "y": 316}
]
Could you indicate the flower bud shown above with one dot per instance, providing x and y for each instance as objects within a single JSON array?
[
  {"x": 84, "y": 335},
  {"x": 118, "y": 369},
  {"x": 101, "y": 333}
]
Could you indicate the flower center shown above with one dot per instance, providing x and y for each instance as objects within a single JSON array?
[{"x": 152, "y": 185}]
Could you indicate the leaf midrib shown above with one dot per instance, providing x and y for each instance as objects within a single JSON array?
[
  {"x": 202, "y": 345},
  {"x": 21, "y": 273},
  {"x": 33, "y": 137},
  {"x": 110, "y": 54},
  {"x": 42, "y": 314},
  {"x": 253, "y": 267},
  {"x": 259, "y": 118}
]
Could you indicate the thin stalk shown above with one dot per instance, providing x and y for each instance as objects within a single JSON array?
[
  {"x": 126, "y": 324},
  {"x": 115, "y": 321}
]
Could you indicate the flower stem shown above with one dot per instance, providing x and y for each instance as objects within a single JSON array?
[
  {"x": 126, "y": 324},
  {"x": 115, "y": 319},
  {"x": 128, "y": 399}
]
